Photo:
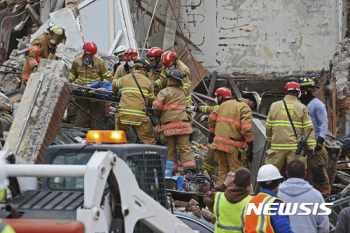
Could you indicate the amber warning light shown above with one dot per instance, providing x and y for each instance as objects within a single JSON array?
[{"x": 106, "y": 136}]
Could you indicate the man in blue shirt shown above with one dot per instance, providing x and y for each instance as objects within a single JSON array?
[{"x": 317, "y": 110}]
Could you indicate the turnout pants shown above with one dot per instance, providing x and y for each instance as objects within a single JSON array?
[
  {"x": 144, "y": 131},
  {"x": 187, "y": 158},
  {"x": 318, "y": 176},
  {"x": 209, "y": 162},
  {"x": 96, "y": 108},
  {"x": 228, "y": 162},
  {"x": 279, "y": 157}
]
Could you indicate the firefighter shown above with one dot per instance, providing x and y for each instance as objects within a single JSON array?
[
  {"x": 170, "y": 62},
  {"x": 86, "y": 69},
  {"x": 132, "y": 107},
  {"x": 44, "y": 46},
  {"x": 4, "y": 228},
  {"x": 318, "y": 113},
  {"x": 154, "y": 55},
  {"x": 222, "y": 95},
  {"x": 119, "y": 52},
  {"x": 280, "y": 133},
  {"x": 230, "y": 129},
  {"x": 175, "y": 128},
  {"x": 127, "y": 67},
  {"x": 269, "y": 180}
]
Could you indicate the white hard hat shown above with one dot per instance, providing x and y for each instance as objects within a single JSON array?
[
  {"x": 256, "y": 97},
  {"x": 120, "y": 50},
  {"x": 268, "y": 172},
  {"x": 3, "y": 176}
]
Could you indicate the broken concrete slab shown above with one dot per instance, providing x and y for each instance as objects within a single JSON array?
[{"x": 40, "y": 112}]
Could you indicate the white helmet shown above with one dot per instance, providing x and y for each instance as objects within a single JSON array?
[
  {"x": 4, "y": 182},
  {"x": 120, "y": 50},
  {"x": 268, "y": 172},
  {"x": 256, "y": 97}
]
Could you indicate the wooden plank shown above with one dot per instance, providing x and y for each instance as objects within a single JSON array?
[
  {"x": 33, "y": 15},
  {"x": 171, "y": 24},
  {"x": 334, "y": 107},
  {"x": 234, "y": 87},
  {"x": 212, "y": 85}
]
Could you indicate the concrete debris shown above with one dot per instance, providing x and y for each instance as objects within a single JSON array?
[
  {"x": 5, "y": 103},
  {"x": 40, "y": 112}
]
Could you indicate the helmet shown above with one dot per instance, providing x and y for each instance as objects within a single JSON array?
[
  {"x": 176, "y": 74},
  {"x": 3, "y": 175},
  {"x": 292, "y": 86},
  {"x": 168, "y": 58},
  {"x": 224, "y": 91},
  {"x": 90, "y": 48},
  {"x": 130, "y": 54},
  {"x": 254, "y": 96},
  {"x": 154, "y": 52},
  {"x": 142, "y": 62},
  {"x": 307, "y": 82},
  {"x": 120, "y": 50},
  {"x": 268, "y": 172},
  {"x": 57, "y": 32}
]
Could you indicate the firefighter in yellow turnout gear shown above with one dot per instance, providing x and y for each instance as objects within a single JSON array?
[
  {"x": 230, "y": 129},
  {"x": 132, "y": 107},
  {"x": 4, "y": 228},
  {"x": 43, "y": 47},
  {"x": 279, "y": 130},
  {"x": 87, "y": 69},
  {"x": 222, "y": 95},
  {"x": 175, "y": 127}
]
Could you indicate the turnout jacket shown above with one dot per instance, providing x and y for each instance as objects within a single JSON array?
[
  {"x": 279, "y": 131},
  {"x": 123, "y": 70},
  {"x": 86, "y": 74},
  {"x": 132, "y": 108},
  {"x": 171, "y": 104},
  {"x": 207, "y": 109},
  {"x": 231, "y": 124},
  {"x": 186, "y": 83},
  {"x": 40, "y": 48}
]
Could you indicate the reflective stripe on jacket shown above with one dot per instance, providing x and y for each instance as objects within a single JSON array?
[
  {"x": 41, "y": 47},
  {"x": 227, "y": 214},
  {"x": 207, "y": 109},
  {"x": 279, "y": 131},
  {"x": 231, "y": 123},
  {"x": 254, "y": 223},
  {"x": 132, "y": 108},
  {"x": 171, "y": 104},
  {"x": 97, "y": 71}
]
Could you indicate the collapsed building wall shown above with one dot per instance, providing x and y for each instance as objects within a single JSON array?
[
  {"x": 40, "y": 112},
  {"x": 253, "y": 36}
]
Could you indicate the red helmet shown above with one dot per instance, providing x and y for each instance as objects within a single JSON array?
[
  {"x": 154, "y": 52},
  {"x": 292, "y": 86},
  {"x": 130, "y": 55},
  {"x": 224, "y": 91},
  {"x": 90, "y": 48},
  {"x": 168, "y": 58}
]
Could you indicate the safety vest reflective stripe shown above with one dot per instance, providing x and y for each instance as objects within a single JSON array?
[
  {"x": 32, "y": 63},
  {"x": 284, "y": 146},
  {"x": 174, "y": 125},
  {"x": 158, "y": 103},
  {"x": 136, "y": 90},
  {"x": 2, "y": 226},
  {"x": 132, "y": 112},
  {"x": 253, "y": 222},
  {"x": 188, "y": 163},
  {"x": 229, "y": 141},
  {"x": 25, "y": 76},
  {"x": 174, "y": 106},
  {"x": 249, "y": 139}
]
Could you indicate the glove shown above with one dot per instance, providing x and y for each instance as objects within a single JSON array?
[
  {"x": 204, "y": 118},
  {"x": 250, "y": 151},
  {"x": 34, "y": 69},
  {"x": 311, "y": 153},
  {"x": 319, "y": 144},
  {"x": 191, "y": 108},
  {"x": 211, "y": 138}
]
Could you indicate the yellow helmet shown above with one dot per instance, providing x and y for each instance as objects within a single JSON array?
[{"x": 57, "y": 32}]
